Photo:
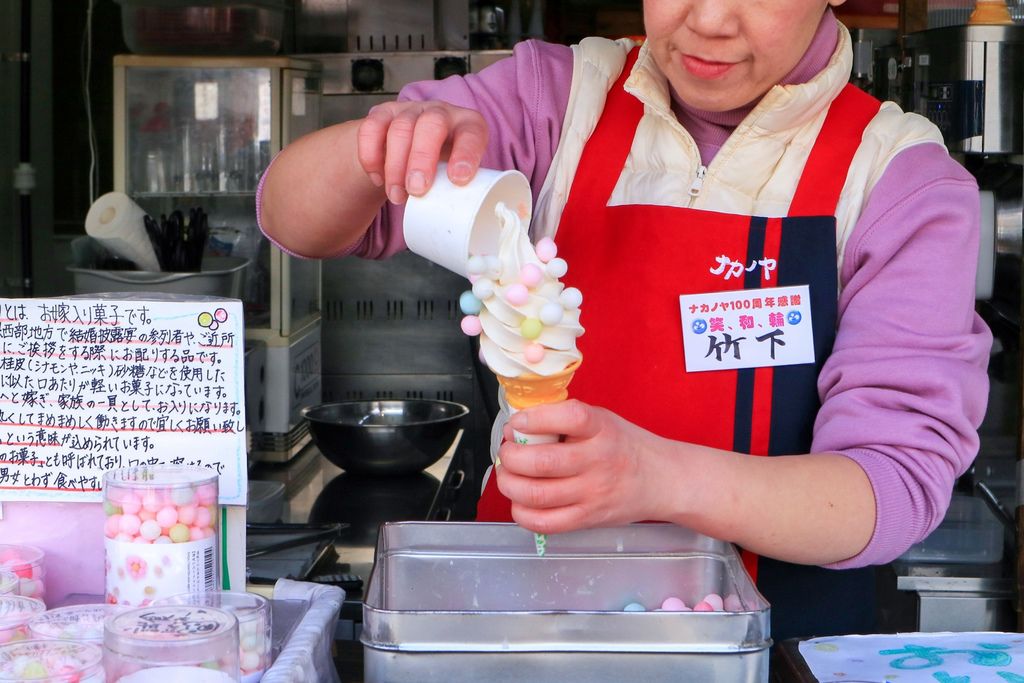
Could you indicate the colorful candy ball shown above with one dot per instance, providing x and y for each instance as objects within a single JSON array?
[
  {"x": 530, "y": 275},
  {"x": 571, "y": 298},
  {"x": 551, "y": 313},
  {"x": 469, "y": 304},
  {"x": 517, "y": 294},
  {"x": 546, "y": 249},
  {"x": 471, "y": 325},
  {"x": 557, "y": 267},
  {"x": 534, "y": 353},
  {"x": 531, "y": 328}
]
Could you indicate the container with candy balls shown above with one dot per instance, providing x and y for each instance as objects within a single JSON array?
[
  {"x": 81, "y": 623},
  {"x": 254, "y": 626},
  {"x": 15, "y": 613},
  {"x": 27, "y": 562},
  {"x": 51, "y": 661},
  {"x": 161, "y": 532},
  {"x": 173, "y": 643},
  {"x": 8, "y": 582}
]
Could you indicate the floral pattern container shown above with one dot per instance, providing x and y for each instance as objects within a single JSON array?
[
  {"x": 27, "y": 563},
  {"x": 161, "y": 533},
  {"x": 171, "y": 642},
  {"x": 15, "y": 613},
  {"x": 254, "y": 626},
  {"x": 80, "y": 623},
  {"x": 51, "y": 661}
]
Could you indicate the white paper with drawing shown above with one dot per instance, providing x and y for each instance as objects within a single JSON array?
[{"x": 976, "y": 657}]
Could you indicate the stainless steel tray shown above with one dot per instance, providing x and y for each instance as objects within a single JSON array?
[{"x": 473, "y": 601}]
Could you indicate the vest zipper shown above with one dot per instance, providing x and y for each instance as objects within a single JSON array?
[{"x": 698, "y": 182}]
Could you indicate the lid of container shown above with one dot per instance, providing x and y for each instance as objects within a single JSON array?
[
  {"x": 173, "y": 634},
  {"x": 51, "y": 660},
  {"x": 16, "y": 610},
  {"x": 159, "y": 476},
  {"x": 8, "y": 581},
  {"x": 19, "y": 557},
  {"x": 75, "y": 622},
  {"x": 242, "y": 604}
]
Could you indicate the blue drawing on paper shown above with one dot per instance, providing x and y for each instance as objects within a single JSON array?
[
  {"x": 700, "y": 326},
  {"x": 923, "y": 657}
]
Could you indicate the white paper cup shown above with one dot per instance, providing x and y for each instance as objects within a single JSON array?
[{"x": 451, "y": 222}]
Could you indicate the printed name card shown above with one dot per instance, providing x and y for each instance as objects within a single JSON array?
[
  {"x": 90, "y": 385},
  {"x": 747, "y": 328}
]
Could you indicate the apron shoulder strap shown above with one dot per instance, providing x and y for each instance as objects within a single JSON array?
[
  {"x": 828, "y": 164},
  {"x": 608, "y": 146}
]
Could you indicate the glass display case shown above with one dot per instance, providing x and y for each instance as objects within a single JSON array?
[{"x": 199, "y": 132}]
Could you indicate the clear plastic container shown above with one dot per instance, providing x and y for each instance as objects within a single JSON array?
[
  {"x": 161, "y": 530},
  {"x": 254, "y": 626},
  {"x": 81, "y": 623},
  {"x": 8, "y": 582},
  {"x": 202, "y": 27},
  {"x": 173, "y": 643},
  {"x": 29, "y": 563},
  {"x": 968, "y": 534},
  {"x": 51, "y": 661},
  {"x": 15, "y": 613}
]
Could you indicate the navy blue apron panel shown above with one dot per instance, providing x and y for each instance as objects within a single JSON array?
[
  {"x": 811, "y": 601},
  {"x": 807, "y": 256}
]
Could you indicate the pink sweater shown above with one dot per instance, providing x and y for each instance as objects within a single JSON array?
[{"x": 903, "y": 393}]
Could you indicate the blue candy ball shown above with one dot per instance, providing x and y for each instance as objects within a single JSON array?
[
  {"x": 469, "y": 304},
  {"x": 634, "y": 607}
]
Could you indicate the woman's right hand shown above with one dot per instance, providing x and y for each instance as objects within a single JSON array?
[{"x": 401, "y": 143}]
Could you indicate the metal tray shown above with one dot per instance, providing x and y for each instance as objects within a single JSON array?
[{"x": 473, "y": 601}]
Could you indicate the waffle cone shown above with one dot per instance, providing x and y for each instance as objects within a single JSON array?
[
  {"x": 990, "y": 12},
  {"x": 530, "y": 390}
]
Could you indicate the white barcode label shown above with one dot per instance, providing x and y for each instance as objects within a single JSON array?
[{"x": 139, "y": 573}]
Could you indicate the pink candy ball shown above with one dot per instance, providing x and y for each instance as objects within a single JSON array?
[
  {"x": 146, "y": 515},
  {"x": 187, "y": 514},
  {"x": 674, "y": 604},
  {"x": 733, "y": 603},
  {"x": 471, "y": 325},
  {"x": 715, "y": 600},
  {"x": 703, "y": 606},
  {"x": 546, "y": 249},
  {"x": 112, "y": 526},
  {"x": 167, "y": 517},
  {"x": 530, "y": 275},
  {"x": 131, "y": 504},
  {"x": 151, "y": 501},
  {"x": 206, "y": 494},
  {"x": 202, "y": 517},
  {"x": 196, "y": 534},
  {"x": 517, "y": 294},
  {"x": 130, "y": 524},
  {"x": 534, "y": 353}
]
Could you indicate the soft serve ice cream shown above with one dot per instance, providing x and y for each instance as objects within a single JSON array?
[{"x": 527, "y": 319}]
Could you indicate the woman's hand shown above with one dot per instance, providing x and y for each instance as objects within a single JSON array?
[
  {"x": 400, "y": 144},
  {"x": 605, "y": 472}
]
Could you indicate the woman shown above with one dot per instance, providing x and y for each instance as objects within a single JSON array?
[{"x": 730, "y": 134}]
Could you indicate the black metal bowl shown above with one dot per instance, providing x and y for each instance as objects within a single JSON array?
[{"x": 400, "y": 436}]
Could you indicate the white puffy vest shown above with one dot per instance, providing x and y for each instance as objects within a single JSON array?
[{"x": 754, "y": 173}]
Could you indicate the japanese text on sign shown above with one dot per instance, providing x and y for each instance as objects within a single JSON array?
[
  {"x": 90, "y": 385},
  {"x": 747, "y": 328}
]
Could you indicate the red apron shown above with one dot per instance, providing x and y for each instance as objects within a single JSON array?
[{"x": 632, "y": 263}]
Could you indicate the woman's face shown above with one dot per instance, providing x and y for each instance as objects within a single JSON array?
[{"x": 723, "y": 54}]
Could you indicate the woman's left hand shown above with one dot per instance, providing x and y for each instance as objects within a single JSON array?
[{"x": 604, "y": 473}]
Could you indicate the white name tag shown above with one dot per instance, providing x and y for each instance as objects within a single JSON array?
[{"x": 752, "y": 328}]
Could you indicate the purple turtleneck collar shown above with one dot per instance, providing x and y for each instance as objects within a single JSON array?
[{"x": 710, "y": 129}]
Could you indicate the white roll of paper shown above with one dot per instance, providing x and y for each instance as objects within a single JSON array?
[{"x": 116, "y": 222}]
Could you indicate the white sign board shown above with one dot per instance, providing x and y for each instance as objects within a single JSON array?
[{"x": 90, "y": 385}]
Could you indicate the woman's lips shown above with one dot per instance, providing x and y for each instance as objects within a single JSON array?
[{"x": 702, "y": 68}]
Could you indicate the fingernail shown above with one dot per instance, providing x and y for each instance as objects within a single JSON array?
[
  {"x": 377, "y": 179},
  {"x": 416, "y": 183},
  {"x": 396, "y": 194},
  {"x": 462, "y": 170}
]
